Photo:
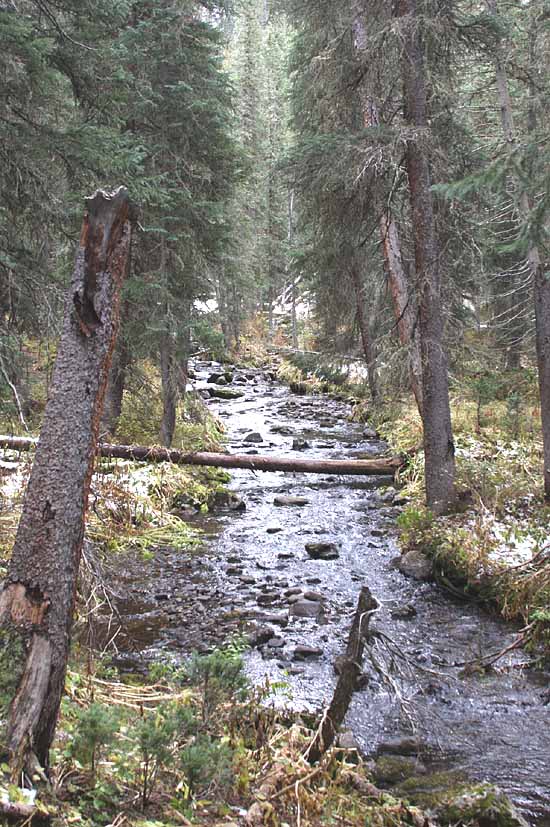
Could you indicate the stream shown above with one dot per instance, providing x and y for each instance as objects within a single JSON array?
[{"x": 253, "y": 571}]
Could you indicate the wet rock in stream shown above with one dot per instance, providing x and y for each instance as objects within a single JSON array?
[
  {"x": 414, "y": 564},
  {"x": 284, "y": 500},
  {"x": 306, "y": 608},
  {"x": 323, "y": 551}
]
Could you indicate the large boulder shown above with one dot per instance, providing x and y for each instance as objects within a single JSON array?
[{"x": 225, "y": 393}]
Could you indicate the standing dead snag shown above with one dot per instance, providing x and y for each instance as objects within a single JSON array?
[{"x": 37, "y": 601}]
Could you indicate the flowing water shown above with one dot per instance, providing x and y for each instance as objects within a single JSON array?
[{"x": 253, "y": 567}]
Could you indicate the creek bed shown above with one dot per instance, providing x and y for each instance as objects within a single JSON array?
[{"x": 253, "y": 570}]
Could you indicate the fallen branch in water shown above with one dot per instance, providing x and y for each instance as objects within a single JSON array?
[
  {"x": 384, "y": 466},
  {"x": 350, "y": 669}
]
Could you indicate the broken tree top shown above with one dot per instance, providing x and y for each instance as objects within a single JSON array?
[{"x": 382, "y": 466}]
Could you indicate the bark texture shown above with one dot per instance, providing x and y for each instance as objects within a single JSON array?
[
  {"x": 350, "y": 669},
  {"x": 169, "y": 389},
  {"x": 438, "y": 437},
  {"x": 357, "y": 467},
  {"x": 38, "y": 596}
]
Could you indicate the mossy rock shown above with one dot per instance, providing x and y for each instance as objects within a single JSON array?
[
  {"x": 393, "y": 769},
  {"x": 481, "y": 807},
  {"x": 431, "y": 790}
]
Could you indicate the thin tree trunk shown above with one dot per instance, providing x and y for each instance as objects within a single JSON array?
[
  {"x": 147, "y": 453},
  {"x": 438, "y": 436},
  {"x": 541, "y": 284},
  {"x": 290, "y": 239},
  {"x": 168, "y": 372},
  {"x": 167, "y": 357},
  {"x": 112, "y": 406},
  {"x": 364, "y": 332},
  {"x": 403, "y": 298},
  {"x": 37, "y": 600}
]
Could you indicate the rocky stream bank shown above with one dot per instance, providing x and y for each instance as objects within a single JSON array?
[{"x": 283, "y": 560}]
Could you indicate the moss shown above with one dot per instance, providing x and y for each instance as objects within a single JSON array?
[
  {"x": 391, "y": 769},
  {"x": 12, "y": 663},
  {"x": 484, "y": 806},
  {"x": 428, "y": 791}
]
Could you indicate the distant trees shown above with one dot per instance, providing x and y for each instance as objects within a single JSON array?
[
  {"x": 390, "y": 159},
  {"x": 94, "y": 92}
]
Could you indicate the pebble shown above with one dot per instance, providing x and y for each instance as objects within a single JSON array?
[{"x": 276, "y": 643}]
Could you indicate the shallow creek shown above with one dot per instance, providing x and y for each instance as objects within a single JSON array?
[{"x": 494, "y": 726}]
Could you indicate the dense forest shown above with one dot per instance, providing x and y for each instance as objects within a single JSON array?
[{"x": 328, "y": 222}]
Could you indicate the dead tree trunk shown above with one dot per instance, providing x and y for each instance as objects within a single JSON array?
[
  {"x": 350, "y": 669},
  {"x": 383, "y": 466},
  {"x": 37, "y": 601}
]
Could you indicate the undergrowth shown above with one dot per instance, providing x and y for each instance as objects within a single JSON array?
[
  {"x": 496, "y": 546},
  {"x": 195, "y": 745}
]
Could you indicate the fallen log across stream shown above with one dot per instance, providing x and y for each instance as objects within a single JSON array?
[{"x": 378, "y": 466}]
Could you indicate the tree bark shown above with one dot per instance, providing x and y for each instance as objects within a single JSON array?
[
  {"x": 38, "y": 596},
  {"x": 167, "y": 358},
  {"x": 350, "y": 669},
  {"x": 290, "y": 239},
  {"x": 438, "y": 436},
  {"x": 145, "y": 453},
  {"x": 403, "y": 298}
]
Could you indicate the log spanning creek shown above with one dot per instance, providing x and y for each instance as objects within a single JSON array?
[{"x": 288, "y": 568}]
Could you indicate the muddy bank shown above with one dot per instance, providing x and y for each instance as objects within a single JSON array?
[{"x": 288, "y": 569}]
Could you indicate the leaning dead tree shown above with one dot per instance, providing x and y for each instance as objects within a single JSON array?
[
  {"x": 350, "y": 669},
  {"x": 383, "y": 466},
  {"x": 38, "y": 596}
]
